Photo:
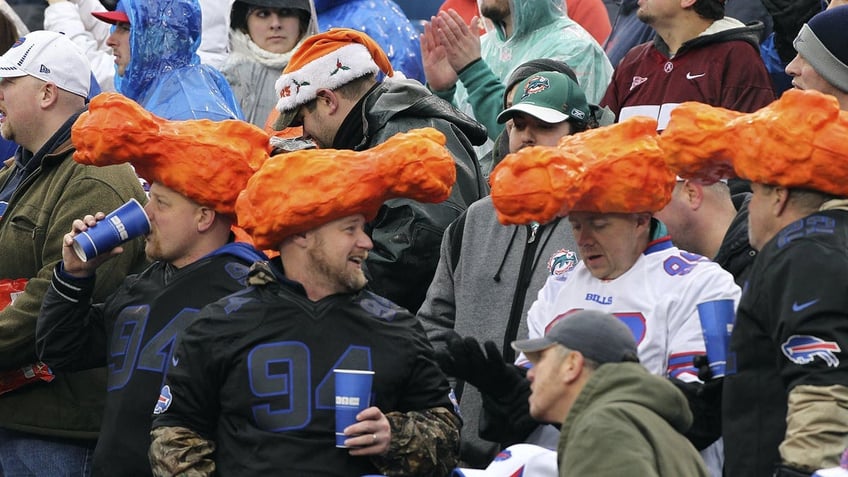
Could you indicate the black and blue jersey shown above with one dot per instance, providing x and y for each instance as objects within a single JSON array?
[
  {"x": 254, "y": 373},
  {"x": 133, "y": 334}
]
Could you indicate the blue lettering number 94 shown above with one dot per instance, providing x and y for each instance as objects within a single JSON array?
[
  {"x": 281, "y": 370},
  {"x": 280, "y": 377}
]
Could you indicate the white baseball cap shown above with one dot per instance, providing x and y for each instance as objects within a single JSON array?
[
  {"x": 517, "y": 459},
  {"x": 51, "y": 57}
]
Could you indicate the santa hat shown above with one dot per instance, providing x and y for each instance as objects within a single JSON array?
[
  {"x": 795, "y": 142},
  {"x": 327, "y": 61},
  {"x": 207, "y": 161},
  {"x": 612, "y": 169},
  {"x": 302, "y": 190}
]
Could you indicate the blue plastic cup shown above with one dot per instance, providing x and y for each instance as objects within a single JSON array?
[
  {"x": 124, "y": 223},
  {"x": 353, "y": 394},
  {"x": 717, "y": 323}
]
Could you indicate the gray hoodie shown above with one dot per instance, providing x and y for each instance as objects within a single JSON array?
[{"x": 487, "y": 277}]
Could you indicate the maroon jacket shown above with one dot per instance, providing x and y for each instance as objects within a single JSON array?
[{"x": 720, "y": 69}]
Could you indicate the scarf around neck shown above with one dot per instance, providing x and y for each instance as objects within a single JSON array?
[{"x": 241, "y": 43}]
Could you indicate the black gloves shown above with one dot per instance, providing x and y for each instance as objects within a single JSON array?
[
  {"x": 486, "y": 370},
  {"x": 505, "y": 417},
  {"x": 705, "y": 404}
]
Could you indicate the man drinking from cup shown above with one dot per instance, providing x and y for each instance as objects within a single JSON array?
[{"x": 195, "y": 262}]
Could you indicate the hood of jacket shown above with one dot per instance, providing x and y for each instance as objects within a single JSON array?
[
  {"x": 529, "y": 15},
  {"x": 165, "y": 36},
  {"x": 241, "y": 250},
  {"x": 735, "y": 253},
  {"x": 408, "y": 98},
  {"x": 620, "y": 383},
  {"x": 726, "y": 29}
]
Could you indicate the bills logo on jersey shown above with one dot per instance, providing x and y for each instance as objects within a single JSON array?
[
  {"x": 803, "y": 349},
  {"x": 164, "y": 400},
  {"x": 378, "y": 306},
  {"x": 562, "y": 262}
]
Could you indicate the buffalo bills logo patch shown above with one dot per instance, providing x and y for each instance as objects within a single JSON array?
[
  {"x": 18, "y": 42},
  {"x": 378, "y": 306},
  {"x": 536, "y": 84},
  {"x": 803, "y": 349},
  {"x": 562, "y": 262},
  {"x": 164, "y": 401}
]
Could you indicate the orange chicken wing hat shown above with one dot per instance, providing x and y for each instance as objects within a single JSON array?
[
  {"x": 207, "y": 161},
  {"x": 797, "y": 141},
  {"x": 301, "y": 190},
  {"x": 617, "y": 168}
]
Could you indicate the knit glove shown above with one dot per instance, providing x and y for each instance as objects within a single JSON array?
[
  {"x": 506, "y": 419},
  {"x": 484, "y": 368}
]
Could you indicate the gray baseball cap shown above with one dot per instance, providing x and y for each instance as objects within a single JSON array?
[{"x": 599, "y": 336}]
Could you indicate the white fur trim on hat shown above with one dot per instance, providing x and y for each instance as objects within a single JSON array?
[{"x": 344, "y": 65}]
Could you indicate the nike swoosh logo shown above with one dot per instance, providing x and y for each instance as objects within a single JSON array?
[
  {"x": 691, "y": 76},
  {"x": 805, "y": 305},
  {"x": 174, "y": 360}
]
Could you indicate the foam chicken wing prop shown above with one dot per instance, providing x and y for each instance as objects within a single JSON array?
[
  {"x": 302, "y": 190},
  {"x": 617, "y": 168},
  {"x": 535, "y": 184},
  {"x": 796, "y": 141},
  {"x": 207, "y": 161}
]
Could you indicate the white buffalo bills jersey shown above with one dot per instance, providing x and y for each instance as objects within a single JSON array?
[{"x": 657, "y": 299}]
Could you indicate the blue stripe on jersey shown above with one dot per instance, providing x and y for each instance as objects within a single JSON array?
[
  {"x": 662, "y": 243},
  {"x": 681, "y": 363}
]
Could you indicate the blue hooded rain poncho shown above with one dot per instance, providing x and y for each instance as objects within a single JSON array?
[{"x": 164, "y": 74}]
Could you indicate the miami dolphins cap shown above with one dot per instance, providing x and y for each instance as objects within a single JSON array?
[
  {"x": 599, "y": 336},
  {"x": 515, "y": 460},
  {"x": 551, "y": 97},
  {"x": 50, "y": 57}
]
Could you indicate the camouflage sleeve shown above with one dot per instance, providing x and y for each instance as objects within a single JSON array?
[
  {"x": 424, "y": 443},
  {"x": 180, "y": 452}
]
